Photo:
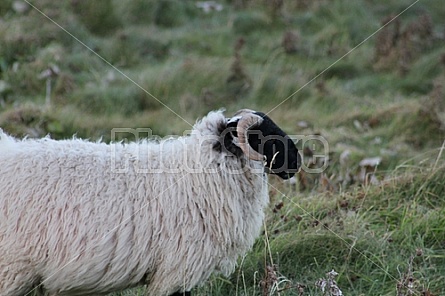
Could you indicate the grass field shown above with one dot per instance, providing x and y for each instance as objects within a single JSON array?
[{"x": 79, "y": 67}]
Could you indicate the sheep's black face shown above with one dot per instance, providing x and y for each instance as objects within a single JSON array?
[{"x": 282, "y": 157}]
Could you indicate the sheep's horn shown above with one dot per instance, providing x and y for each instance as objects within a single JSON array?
[{"x": 248, "y": 119}]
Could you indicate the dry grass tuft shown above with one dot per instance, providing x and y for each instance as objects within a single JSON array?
[
  {"x": 238, "y": 82},
  {"x": 328, "y": 285},
  {"x": 291, "y": 42},
  {"x": 409, "y": 284},
  {"x": 274, "y": 284},
  {"x": 397, "y": 47}
]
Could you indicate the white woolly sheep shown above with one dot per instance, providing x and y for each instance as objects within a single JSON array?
[{"x": 84, "y": 218}]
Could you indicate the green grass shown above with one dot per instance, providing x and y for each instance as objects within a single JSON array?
[{"x": 184, "y": 58}]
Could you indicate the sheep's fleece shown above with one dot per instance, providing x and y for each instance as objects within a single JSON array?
[{"x": 88, "y": 218}]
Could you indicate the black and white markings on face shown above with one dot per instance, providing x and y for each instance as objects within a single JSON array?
[{"x": 281, "y": 154}]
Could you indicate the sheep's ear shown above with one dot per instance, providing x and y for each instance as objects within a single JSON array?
[
  {"x": 232, "y": 124},
  {"x": 230, "y": 137}
]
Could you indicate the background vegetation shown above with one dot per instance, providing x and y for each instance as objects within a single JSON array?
[{"x": 376, "y": 215}]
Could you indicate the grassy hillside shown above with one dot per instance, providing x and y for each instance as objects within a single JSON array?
[{"x": 85, "y": 67}]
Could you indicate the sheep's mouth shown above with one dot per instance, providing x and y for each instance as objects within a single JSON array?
[
  {"x": 284, "y": 170},
  {"x": 282, "y": 173},
  {"x": 285, "y": 175}
]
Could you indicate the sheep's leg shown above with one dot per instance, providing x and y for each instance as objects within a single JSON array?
[{"x": 181, "y": 294}]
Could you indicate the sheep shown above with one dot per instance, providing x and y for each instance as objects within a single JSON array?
[{"x": 89, "y": 218}]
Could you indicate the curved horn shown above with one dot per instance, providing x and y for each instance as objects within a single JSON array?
[{"x": 248, "y": 119}]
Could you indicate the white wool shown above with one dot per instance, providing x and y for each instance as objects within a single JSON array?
[{"x": 87, "y": 218}]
